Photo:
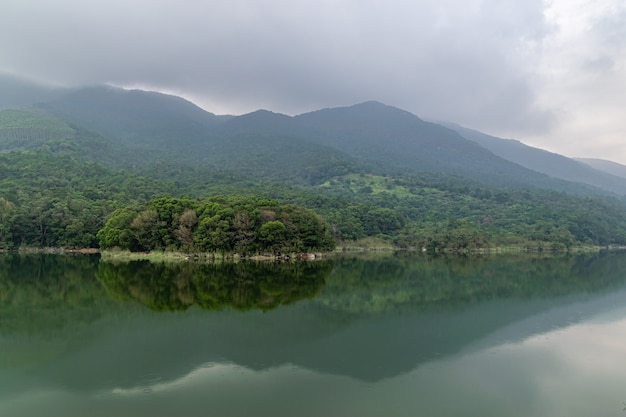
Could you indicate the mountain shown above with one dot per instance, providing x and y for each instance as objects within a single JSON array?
[
  {"x": 399, "y": 139},
  {"x": 34, "y": 128},
  {"x": 379, "y": 139},
  {"x": 136, "y": 118},
  {"x": 260, "y": 121},
  {"x": 370, "y": 170},
  {"x": 306, "y": 149},
  {"x": 552, "y": 164},
  {"x": 609, "y": 167},
  {"x": 16, "y": 92},
  {"x": 282, "y": 158}
]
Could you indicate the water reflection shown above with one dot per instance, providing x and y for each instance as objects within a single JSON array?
[
  {"x": 393, "y": 336},
  {"x": 243, "y": 286}
]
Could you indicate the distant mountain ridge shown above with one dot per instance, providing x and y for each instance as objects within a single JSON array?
[
  {"x": 609, "y": 167},
  {"x": 399, "y": 139},
  {"x": 392, "y": 140},
  {"x": 599, "y": 174},
  {"x": 314, "y": 146}
]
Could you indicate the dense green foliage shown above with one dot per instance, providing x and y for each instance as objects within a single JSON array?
[
  {"x": 30, "y": 128},
  {"x": 51, "y": 200},
  {"x": 48, "y": 200},
  {"x": 219, "y": 224},
  {"x": 370, "y": 171},
  {"x": 449, "y": 213}
]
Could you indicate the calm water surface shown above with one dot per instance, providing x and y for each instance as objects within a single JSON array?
[{"x": 386, "y": 336}]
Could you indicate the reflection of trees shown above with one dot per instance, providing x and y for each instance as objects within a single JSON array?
[
  {"x": 396, "y": 282},
  {"x": 243, "y": 286},
  {"x": 54, "y": 291},
  {"x": 42, "y": 291}
]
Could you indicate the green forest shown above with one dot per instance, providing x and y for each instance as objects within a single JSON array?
[
  {"x": 51, "y": 200},
  {"x": 74, "y": 176},
  {"x": 227, "y": 224}
]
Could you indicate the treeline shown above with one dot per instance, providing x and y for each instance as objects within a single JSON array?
[
  {"x": 442, "y": 213},
  {"x": 234, "y": 224},
  {"x": 48, "y": 199}
]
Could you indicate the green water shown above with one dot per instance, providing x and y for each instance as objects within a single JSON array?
[{"x": 384, "y": 336}]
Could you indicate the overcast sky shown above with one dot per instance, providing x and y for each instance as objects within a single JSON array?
[{"x": 551, "y": 73}]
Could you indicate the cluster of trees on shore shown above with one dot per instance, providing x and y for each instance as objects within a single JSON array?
[{"x": 236, "y": 224}]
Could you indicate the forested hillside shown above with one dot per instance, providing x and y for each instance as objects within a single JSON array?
[
  {"x": 23, "y": 129},
  {"x": 76, "y": 170},
  {"x": 369, "y": 136},
  {"x": 549, "y": 163}
]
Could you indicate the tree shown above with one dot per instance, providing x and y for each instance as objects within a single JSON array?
[
  {"x": 7, "y": 211},
  {"x": 244, "y": 233},
  {"x": 381, "y": 220},
  {"x": 117, "y": 230},
  {"x": 145, "y": 230},
  {"x": 186, "y": 223},
  {"x": 168, "y": 213},
  {"x": 272, "y": 234}
]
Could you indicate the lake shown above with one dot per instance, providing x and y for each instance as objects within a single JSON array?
[{"x": 378, "y": 335}]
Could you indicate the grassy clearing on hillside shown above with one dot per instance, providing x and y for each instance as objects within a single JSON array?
[{"x": 367, "y": 184}]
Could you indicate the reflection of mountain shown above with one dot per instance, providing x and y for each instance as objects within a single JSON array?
[{"x": 408, "y": 312}]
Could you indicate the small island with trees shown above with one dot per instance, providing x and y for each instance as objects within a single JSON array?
[{"x": 227, "y": 225}]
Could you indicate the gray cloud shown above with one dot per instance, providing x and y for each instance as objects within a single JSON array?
[{"x": 486, "y": 64}]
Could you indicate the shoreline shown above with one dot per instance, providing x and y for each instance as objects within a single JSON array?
[
  {"x": 210, "y": 257},
  {"x": 305, "y": 256}
]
